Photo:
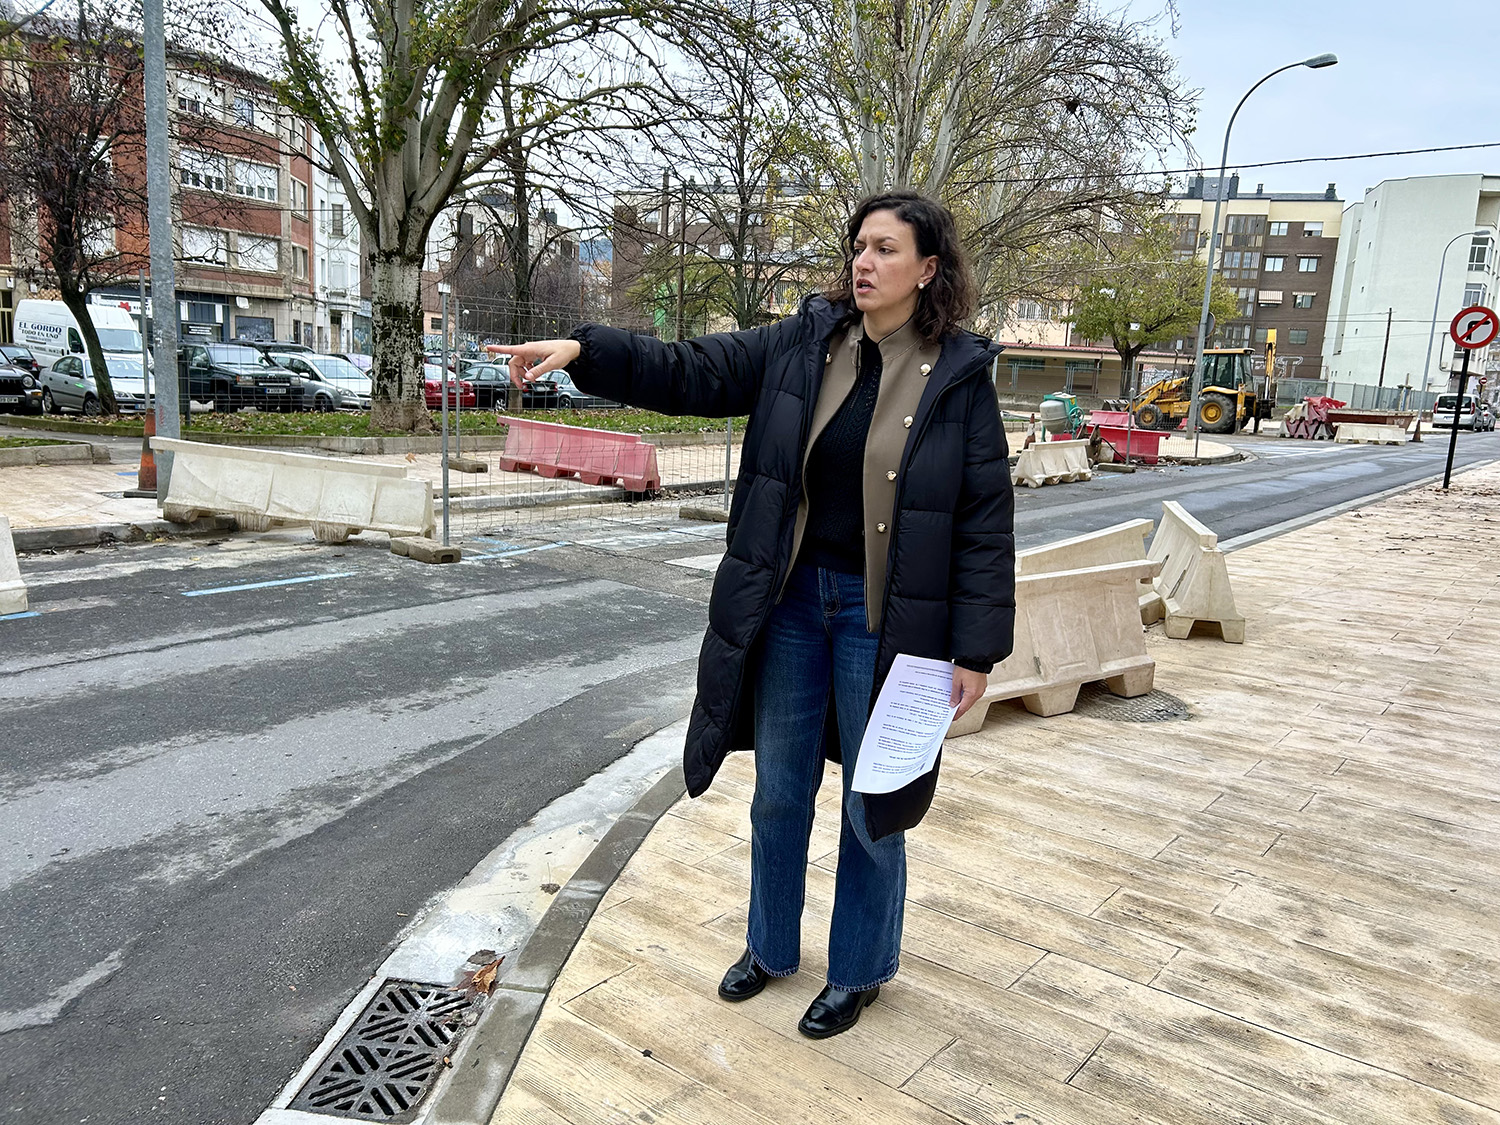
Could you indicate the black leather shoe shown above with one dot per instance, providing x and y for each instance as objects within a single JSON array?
[
  {"x": 834, "y": 1011},
  {"x": 744, "y": 979}
]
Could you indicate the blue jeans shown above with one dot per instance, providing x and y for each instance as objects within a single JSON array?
[{"x": 816, "y": 638}]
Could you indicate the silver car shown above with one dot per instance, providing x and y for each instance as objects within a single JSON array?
[
  {"x": 329, "y": 382},
  {"x": 571, "y": 397},
  {"x": 68, "y": 384}
]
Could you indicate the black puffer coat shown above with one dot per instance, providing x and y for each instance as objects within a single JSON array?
[{"x": 950, "y": 587}]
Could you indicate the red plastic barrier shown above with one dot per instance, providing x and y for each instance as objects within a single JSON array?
[
  {"x": 593, "y": 456},
  {"x": 1111, "y": 426}
]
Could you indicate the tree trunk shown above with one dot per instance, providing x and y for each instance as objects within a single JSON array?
[
  {"x": 1127, "y": 371},
  {"x": 398, "y": 401},
  {"x": 79, "y": 307},
  {"x": 522, "y": 320}
]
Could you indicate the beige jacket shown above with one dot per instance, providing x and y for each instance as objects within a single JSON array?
[{"x": 905, "y": 365}]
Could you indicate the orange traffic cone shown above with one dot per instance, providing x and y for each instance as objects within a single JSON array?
[{"x": 147, "y": 479}]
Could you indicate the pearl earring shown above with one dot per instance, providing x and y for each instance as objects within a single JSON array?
[{"x": 921, "y": 285}]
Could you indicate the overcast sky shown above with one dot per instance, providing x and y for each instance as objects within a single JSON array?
[{"x": 1410, "y": 75}]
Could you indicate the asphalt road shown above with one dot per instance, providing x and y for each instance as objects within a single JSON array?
[{"x": 219, "y": 808}]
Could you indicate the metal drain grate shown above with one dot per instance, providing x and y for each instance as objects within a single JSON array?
[
  {"x": 1097, "y": 702},
  {"x": 389, "y": 1060}
]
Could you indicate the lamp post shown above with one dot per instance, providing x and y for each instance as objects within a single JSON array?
[
  {"x": 1317, "y": 62},
  {"x": 1436, "y": 297}
]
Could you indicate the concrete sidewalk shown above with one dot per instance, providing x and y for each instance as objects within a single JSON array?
[{"x": 1279, "y": 910}]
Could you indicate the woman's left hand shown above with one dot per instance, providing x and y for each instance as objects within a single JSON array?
[{"x": 967, "y": 688}]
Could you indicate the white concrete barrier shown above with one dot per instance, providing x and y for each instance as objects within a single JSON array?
[
  {"x": 1073, "y": 627},
  {"x": 1123, "y": 542},
  {"x": 12, "y": 589},
  {"x": 1194, "y": 580},
  {"x": 1369, "y": 434},
  {"x": 261, "y": 487},
  {"x": 1052, "y": 462}
]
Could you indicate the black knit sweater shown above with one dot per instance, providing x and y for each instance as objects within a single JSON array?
[{"x": 835, "y": 534}]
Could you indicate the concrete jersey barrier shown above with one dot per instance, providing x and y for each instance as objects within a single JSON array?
[
  {"x": 1073, "y": 627},
  {"x": 1369, "y": 433},
  {"x": 1123, "y": 542},
  {"x": 12, "y": 589},
  {"x": 1052, "y": 462},
  {"x": 553, "y": 450},
  {"x": 262, "y": 487},
  {"x": 1194, "y": 580}
]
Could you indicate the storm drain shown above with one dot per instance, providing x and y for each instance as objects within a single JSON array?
[
  {"x": 1096, "y": 701},
  {"x": 389, "y": 1060}
]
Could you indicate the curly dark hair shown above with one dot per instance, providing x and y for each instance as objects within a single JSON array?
[{"x": 948, "y": 300}]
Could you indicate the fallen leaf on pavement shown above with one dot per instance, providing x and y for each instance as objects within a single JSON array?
[{"x": 483, "y": 980}]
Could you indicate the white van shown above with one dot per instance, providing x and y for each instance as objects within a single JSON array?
[{"x": 49, "y": 330}]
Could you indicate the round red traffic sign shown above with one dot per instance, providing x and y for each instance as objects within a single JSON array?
[{"x": 1474, "y": 327}]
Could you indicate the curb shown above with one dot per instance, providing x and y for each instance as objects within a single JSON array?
[
  {"x": 485, "y": 1060},
  {"x": 64, "y": 452},
  {"x": 1222, "y": 459},
  {"x": 33, "y": 539}
]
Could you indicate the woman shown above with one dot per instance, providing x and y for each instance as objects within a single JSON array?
[{"x": 872, "y": 516}]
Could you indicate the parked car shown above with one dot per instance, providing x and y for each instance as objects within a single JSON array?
[
  {"x": 18, "y": 355},
  {"x": 20, "y": 391},
  {"x": 326, "y": 382},
  {"x": 570, "y": 397},
  {"x": 1447, "y": 409},
  {"x": 359, "y": 359},
  {"x": 233, "y": 376},
  {"x": 49, "y": 332},
  {"x": 276, "y": 345},
  {"x": 68, "y": 384},
  {"x": 460, "y": 392},
  {"x": 491, "y": 384},
  {"x": 1486, "y": 418}
]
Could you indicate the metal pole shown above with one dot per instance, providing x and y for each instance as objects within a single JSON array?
[
  {"x": 1380, "y": 385},
  {"x": 458, "y": 403},
  {"x": 1436, "y": 297},
  {"x": 443, "y": 387},
  {"x": 1316, "y": 62},
  {"x": 728, "y": 443},
  {"x": 159, "y": 223},
  {"x": 681, "y": 258},
  {"x": 1463, "y": 381}
]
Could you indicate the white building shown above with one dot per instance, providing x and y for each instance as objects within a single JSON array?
[
  {"x": 343, "y": 319},
  {"x": 1388, "y": 264}
]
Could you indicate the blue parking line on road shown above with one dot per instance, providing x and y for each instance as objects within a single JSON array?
[
  {"x": 131, "y": 473},
  {"x": 18, "y": 616},
  {"x": 264, "y": 585}
]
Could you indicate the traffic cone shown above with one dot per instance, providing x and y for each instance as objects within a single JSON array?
[{"x": 146, "y": 482}]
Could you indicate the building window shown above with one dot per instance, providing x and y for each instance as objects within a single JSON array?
[
  {"x": 1030, "y": 310},
  {"x": 436, "y": 324},
  {"x": 1296, "y": 335},
  {"x": 263, "y": 254},
  {"x": 1260, "y": 335},
  {"x": 1245, "y": 230},
  {"x": 200, "y": 245},
  {"x": 256, "y": 181},
  {"x": 299, "y": 262},
  {"x": 1236, "y": 335},
  {"x": 336, "y": 220},
  {"x": 99, "y": 238},
  {"x": 201, "y": 170},
  {"x": 1308, "y": 265},
  {"x": 1302, "y": 300},
  {"x": 1475, "y": 293},
  {"x": 726, "y": 250},
  {"x": 1312, "y": 230},
  {"x": 299, "y": 198},
  {"x": 1274, "y": 264},
  {"x": 1279, "y": 230},
  {"x": 194, "y": 96},
  {"x": 1479, "y": 252},
  {"x": 1247, "y": 301},
  {"x": 244, "y": 111}
]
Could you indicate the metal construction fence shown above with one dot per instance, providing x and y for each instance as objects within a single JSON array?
[{"x": 1361, "y": 396}]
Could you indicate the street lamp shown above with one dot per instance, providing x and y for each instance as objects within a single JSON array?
[
  {"x": 1317, "y": 62},
  {"x": 1436, "y": 297}
]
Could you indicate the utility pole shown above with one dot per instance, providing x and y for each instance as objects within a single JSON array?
[
  {"x": 159, "y": 222},
  {"x": 681, "y": 256},
  {"x": 1384, "y": 352}
]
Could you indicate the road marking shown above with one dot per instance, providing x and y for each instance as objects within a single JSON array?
[
  {"x": 709, "y": 563},
  {"x": 513, "y": 554},
  {"x": 18, "y": 616},
  {"x": 264, "y": 585}
]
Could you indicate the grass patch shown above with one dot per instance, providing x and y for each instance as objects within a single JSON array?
[{"x": 26, "y": 442}]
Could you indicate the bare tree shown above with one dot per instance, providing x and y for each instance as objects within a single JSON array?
[
  {"x": 70, "y": 99},
  {"x": 428, "y": 98},
  {"x": 1027, "y": 117}
]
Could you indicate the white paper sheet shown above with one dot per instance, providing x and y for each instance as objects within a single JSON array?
[{"x": 906, "y": 729}]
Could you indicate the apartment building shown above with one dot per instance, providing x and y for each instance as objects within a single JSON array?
[
  {"x": 1390, "y": 264},
  {"x": 341, "y": 311}
]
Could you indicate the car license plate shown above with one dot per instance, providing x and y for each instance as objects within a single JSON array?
[
  {"x": 275, "y": 390},
  {"x": 10, "y": 398}
]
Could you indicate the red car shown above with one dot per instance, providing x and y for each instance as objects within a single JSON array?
[{"x": 460, "y": 395}]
